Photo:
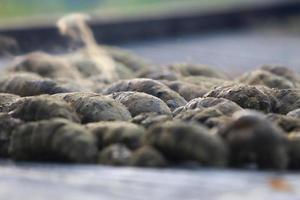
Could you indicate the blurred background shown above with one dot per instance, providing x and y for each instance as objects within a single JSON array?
[
  {"x": 240, "y": 34},
  {"x": 30, "y": 11},
  {"x": 34, "y": 9}
]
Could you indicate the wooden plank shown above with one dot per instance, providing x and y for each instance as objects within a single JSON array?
[{"x": 61, "y": 182}]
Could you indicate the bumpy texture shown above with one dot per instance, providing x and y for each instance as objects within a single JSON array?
[
  {"x": 46, "y": 66},
  {"x": 211, "y": 112},
  {"x": 94, "y": 107},
  {"x": 225, "y": 106},
  {"x": 55, "y": 140},
  {"x": 130, "y": 60},
  {"x": 288, "y": 100},
  {"x": 252, "y": 138},
  {"x": 149, "y": 86},
  {"x": 180, "y": 141},
  {"x": 205, "y": 82},
  {"x": 209, "y": 117},
  {"x": 108, "y": 133},
  {"x": 104, "y": 105},
  {"x": 283, "y": 72},
  {"x": 7, "y": 125},
  {"x": 150, "y": 119},
  {"x": 27, "y": 84},
  {"x": 138, "y": 103},
  {"x": 158, "y": 74},
  {"x": 117, "y": 154},
  {"x": 294, "y": 113},
  {"x": 287, "y": 123},
  {"x": 246, "y": 96},
  {"x": 8, "y": 102},
  {"x": 196, "y": 70},
  {"x": 147, "y": 156},
  {"x": 188, "y": 91},
  {"x": 262, "y": 77},
  {"x": 43, "y": 107}
]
